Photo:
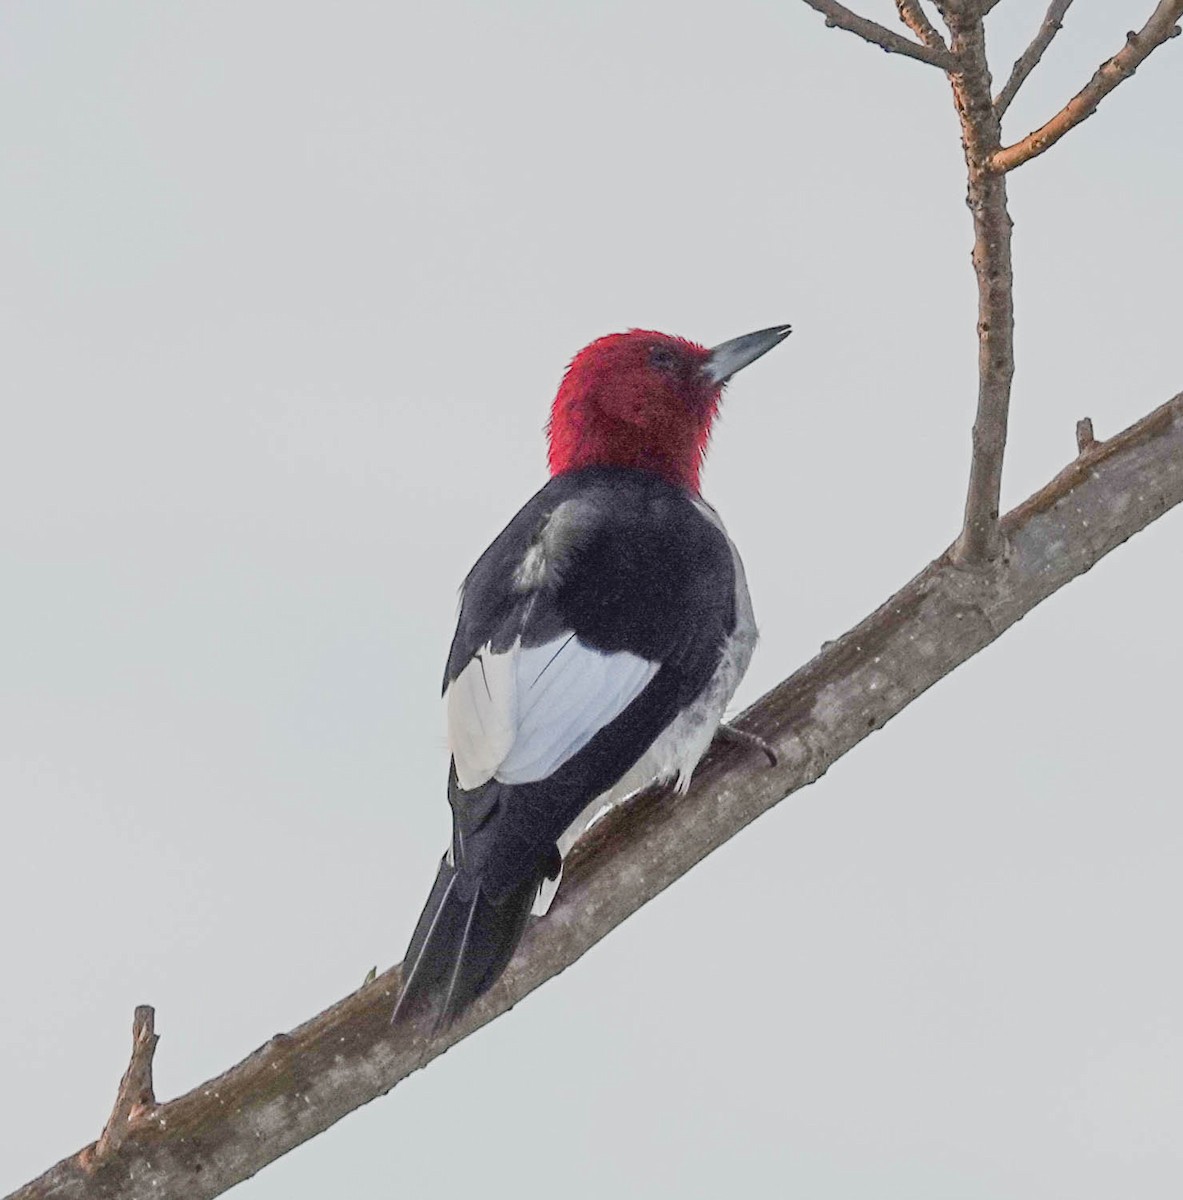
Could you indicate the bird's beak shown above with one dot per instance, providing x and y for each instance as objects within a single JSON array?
[{"x": 728, "y": 357}]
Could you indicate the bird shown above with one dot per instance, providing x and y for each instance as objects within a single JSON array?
[{"x": 599, "y": 639}]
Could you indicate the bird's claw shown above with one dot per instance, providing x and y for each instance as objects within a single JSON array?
[{"x": 750, "y": 741}]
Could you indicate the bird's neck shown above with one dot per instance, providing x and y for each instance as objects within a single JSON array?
[{"x": 674, "y": 455}]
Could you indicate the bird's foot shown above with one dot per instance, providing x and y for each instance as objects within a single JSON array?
[{"x": 750, "y": 741}]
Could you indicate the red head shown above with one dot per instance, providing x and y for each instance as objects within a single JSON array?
[{"x": 646, "y": 400}]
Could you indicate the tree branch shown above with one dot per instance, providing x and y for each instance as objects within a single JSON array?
[
  {"x": 298, "y": 1084},
  {"x": 839, "y": 16},
  {"x": 1161, "y": 26},
  {"x": 914, "y": 17},
  {"x": 981, "y": 135},
  {"x": 1053, "y": 22}
]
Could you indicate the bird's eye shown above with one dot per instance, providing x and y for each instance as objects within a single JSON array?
[{"x": 663, "y": 358}]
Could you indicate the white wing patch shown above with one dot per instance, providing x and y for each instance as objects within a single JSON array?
[
  {"x": 482, "y": 715},
  {"x": 518, "y": 716},
  {"x": 567, "y": 693}
]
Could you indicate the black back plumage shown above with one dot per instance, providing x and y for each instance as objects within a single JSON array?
[{"x": 644, "y": 570}]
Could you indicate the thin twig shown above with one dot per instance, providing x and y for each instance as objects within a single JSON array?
[
  {"x": 1053, "y": 22},
  {"x": 917, "y": 21},
  {"x": 298, "y": 1084},
  {"x": 1162, "y": 26},
  {"x": 840, "y": 17},
  {"x": 135, "y": 1098},
  {"x": 981, "y": 135}
]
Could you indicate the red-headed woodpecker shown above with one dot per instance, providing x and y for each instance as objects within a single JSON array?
[{"x": 600, "y": 638}]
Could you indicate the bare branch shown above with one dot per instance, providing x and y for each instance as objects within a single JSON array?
[
  {"x": 839, "y": 16},
  {"x": 197, "y": 1146},
  {"x": 914, "y": 17},
  {"x": 1162, "y": 26},
  {"x": 135, "y": 1099},
  {"x": 981, "y": 134},
  {"x": 1053, "y": 22}
]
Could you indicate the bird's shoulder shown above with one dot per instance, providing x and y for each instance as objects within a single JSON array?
[{"x": 622, "y": 558}]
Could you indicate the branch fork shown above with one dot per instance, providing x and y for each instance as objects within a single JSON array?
[
  {"x": 987, "y": 161},
  {"x": 838, "y": 16},
  {"x": 1161, "y": 27}
]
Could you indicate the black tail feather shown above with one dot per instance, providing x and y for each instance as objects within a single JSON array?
[{"x": 464, "y": 939}]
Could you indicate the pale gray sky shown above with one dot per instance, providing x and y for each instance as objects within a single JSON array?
[{"x": 285, "y": 290}]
